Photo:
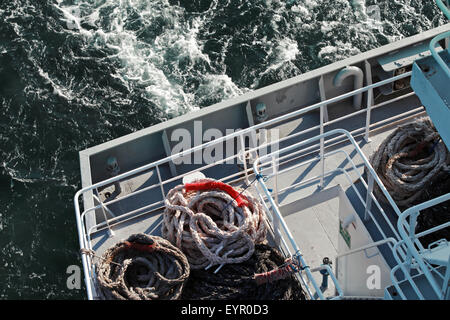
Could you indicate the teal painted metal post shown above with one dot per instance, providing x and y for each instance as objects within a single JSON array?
[{"x": 444, "y": 8}]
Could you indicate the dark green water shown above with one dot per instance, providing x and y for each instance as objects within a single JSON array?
[{"x": 74, "y": 74}]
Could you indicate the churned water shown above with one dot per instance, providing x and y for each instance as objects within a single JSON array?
[{"x": 74, "y": 74}]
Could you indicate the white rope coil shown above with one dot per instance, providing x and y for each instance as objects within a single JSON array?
[
  {"x": 408, "y": 160},
  {"x": 210, "y": 227}
]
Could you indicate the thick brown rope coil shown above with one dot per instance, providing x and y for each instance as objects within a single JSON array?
[
  {"x": 408, "y": 160},
  {"x": 142, "y": 267},
  {"x": 211, "y": 227},
  {"x": 237, "y": 281}
]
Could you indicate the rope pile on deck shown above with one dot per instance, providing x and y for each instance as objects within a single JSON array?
[
  {"x": 205, "y": 223},
  {"x": 246, "y": 280},
  {"x": 408, "y": 160},
  {"x": 213, "y": 223},
  {"x": 142, "y": 267}
]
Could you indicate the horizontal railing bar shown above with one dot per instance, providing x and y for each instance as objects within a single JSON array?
[
  {"x": 250, "y": 169},
  {"x": 263, "y": 146},
  {"x": 432, "y": 230},
  {"x": 244, "y": 131},
  {"x": 126, "y": 215},
  {"x": 287, "y": 138},
  {"x": 328, "y": 142},
  {"x": 358, "y": 150},
  {"x": 350, "y": 161},
  {"x": 368, "y": 246}
]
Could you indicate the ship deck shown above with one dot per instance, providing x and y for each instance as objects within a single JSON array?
[{"x": 321, "y": 146}]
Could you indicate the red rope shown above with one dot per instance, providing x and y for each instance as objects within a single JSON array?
[
  {"x": 417, "y": 149},
  {"x": 140, "y": 246},
  {"x": 276, "y": 274},
  {"x": 210, "y": 185}
]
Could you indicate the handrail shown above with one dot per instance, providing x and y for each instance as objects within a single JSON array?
[
  {"x": 368, "y": 246},
  {"x": 443, "y": 8},
  {"x": 407, "y": 238},
  {"x": 358, "y": 150},
  {"x": 436, "y": 55},
  {"x": 433, "y": 42},
  {"x": 333, "y": 278},
  {"x": 401, "y": 223},
  {"x": 294, "y": 245},
  {"x": 342, "y": 171},
  {"x": 276, "y": 209},
  {"x": 235, "y": 134},
  {"x": 401, "y": 265}
]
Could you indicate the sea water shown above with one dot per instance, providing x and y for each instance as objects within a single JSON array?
[{"x": 74, "y": 74}]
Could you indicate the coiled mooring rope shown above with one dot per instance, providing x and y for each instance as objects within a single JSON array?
[
  {"x": 142, "y": 267},
  {"x": 237, "y": 281},
  {"x": 408, "y": 160},
  {"x": 213, "y": 223}
]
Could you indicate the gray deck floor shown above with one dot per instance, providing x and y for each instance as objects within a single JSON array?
[{"x": 315, "y": 231}]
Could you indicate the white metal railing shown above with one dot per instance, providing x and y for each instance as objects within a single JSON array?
[
  {"x": 405, "y": 239},
  {"x": 409, "y": 236},
  {"x": 84, "y": 234},
  {"x": 263, "y": 161}
]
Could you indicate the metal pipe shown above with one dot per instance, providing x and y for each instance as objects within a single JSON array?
[
  {"x": 368, "y": 246},
  {"x": 406, "y": 273},
  {"x": 443, "y": 7},
  {"x": 358, "y": 82},
  {"x": 370, "y": 100},
  {"x": 357, "y": 149},
  {"x": 322, "y": 148}
]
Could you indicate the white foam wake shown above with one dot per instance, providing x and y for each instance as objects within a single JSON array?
[{"x": 158, "y": 62}]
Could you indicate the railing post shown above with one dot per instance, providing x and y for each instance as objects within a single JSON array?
[
  {"x": 412, "y": 232},
  {"x": 368, "y": 196},
  {"x": 275, "y": 175},
  {"x": 323, "y": 98},
  {"x": 322, "y": 141},
  {"x": 323, "y": 118},
  {"x": 160, "y": 182},
  {"x": 276, "y": 220},
  {"x": 369, "y": 100},
  {"x": 244, "y": 157},
  {"x": 110, "y": 231}
]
